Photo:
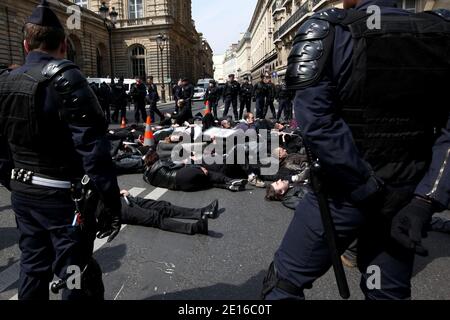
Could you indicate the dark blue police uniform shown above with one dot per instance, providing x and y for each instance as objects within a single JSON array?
[
  {"x": 55, "y": 133},
  {"x": 367, "y": 157}
]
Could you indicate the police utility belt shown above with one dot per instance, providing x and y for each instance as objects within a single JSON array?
[{"x": 29, "y": 177}]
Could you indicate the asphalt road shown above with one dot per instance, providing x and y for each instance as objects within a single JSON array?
[{"x": 230, "y": 263}]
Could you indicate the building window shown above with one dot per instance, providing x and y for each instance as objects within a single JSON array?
[
  {"x": 138, "y": 62},
  {"x": 409, "y": 5},
  {"x": 135, "y": 9},
  {"x": 71, "y": 52},
  {"x": 82, "y": 3},
  {"x": 99, "y": 64}
]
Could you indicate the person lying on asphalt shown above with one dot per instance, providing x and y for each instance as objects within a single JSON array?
[{"x": 161, "y": 215}]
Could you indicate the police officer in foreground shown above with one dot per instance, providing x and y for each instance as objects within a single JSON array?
[
  {"x": 230, "y": 96},
  {"x": 245, "y": 97},
  {"x": 373, "y": 108},
  {"x": 50, "y": 94}
]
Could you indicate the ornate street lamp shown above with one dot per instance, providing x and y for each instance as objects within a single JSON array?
[
  {"x": 110, "y": 25},
  {"x": 161, "y": 41}
]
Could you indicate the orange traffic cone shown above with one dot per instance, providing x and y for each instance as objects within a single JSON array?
[
  {"x": 207, "y": 108},
  {"x": 149, "y": 139},
  {"x": 123, "y": 125}
]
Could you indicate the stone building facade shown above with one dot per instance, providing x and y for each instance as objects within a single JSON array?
[
  {"x": 88, "y": 44},
  {"x": 263, "y": 53},
  {"x": 134, "y": 39},
  {"x": 288, "y": 15},
  {"x": 243, "y": 57},
  {"x": 275, "y": 23}
]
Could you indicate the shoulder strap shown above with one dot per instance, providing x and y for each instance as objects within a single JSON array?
[{"x": 48, "y": 71}]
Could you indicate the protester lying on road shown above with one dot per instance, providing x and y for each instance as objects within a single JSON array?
[
  {"x": 187, "y": 177},
  {"x": 161, "y": 215},
  {"x": 289, "y": 194}
]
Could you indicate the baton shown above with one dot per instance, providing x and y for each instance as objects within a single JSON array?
[{"x": 328, "y": 224}]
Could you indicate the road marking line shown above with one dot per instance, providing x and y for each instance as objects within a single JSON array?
[
  {"x": 11, "y": 274},
  {"x": 156, "y": 194},
  {"x": 136, "y": 191},
  {"x": 118, "y": 293}
]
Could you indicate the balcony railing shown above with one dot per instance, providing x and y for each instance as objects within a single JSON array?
[
  {"x": 277, "y": 6},
  {"x": 292, "y": 21},
  {"x": 315, "y": 2}
]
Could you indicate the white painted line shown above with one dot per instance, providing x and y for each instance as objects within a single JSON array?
[
  {"x": 156, "y": 194},
  {"x": 136, "y": 191},
  {"x": 118, "y": 293},
  {"x": 10, "y": 275}
]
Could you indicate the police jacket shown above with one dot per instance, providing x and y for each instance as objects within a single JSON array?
[
  {"x": 119, "y": 95},
  {"x": 231, "y": 89},
  {"x": 366, "y": 111},
  {"x": 246, "y": 91},
  {"x": 152, "y": 96},
  {"x": 52, "y": 125},
  {"x": 260, "y": 90},
  {"x": 271, "y": 91},
  {"x": 163, "y": 174},
  {"x": 104, "y": 93},
  {"x": 138, "y": 92},
  {"x": 212, "y": 94},
  {"x": 186, "y": 93}
]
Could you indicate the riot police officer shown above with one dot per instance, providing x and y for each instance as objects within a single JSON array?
[
  {"x": 212, "y": 96},
  {"x": 260, "y": 94},
  {"x": 285, "y": 97},
  {"x": 186, "y": 93},
  {"x": 373, "y": 108},
  {"x": 104, "y": 97},
  {"x": 230, "y": 96},
  {"x": 48, "y": 94},
  {"x": 139, "y": 93},
  {"x": 152, "y": 99},
  {"x": 271, "y": 93},
  {"x": 119, "y": 99},
  {"x": 245, "y": 96}
]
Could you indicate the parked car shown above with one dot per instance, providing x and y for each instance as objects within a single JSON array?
[{"x": 199, "y": 94}]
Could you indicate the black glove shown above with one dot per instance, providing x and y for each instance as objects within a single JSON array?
[
  {"x": 409, "y": 226},
  {"x": 109, "y": 220}
]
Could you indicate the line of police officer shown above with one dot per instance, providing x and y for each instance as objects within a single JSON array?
[{"x": 263, "y": 93}]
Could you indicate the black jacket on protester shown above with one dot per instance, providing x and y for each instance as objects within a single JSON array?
[
  {"x": 294, "y": 196},
  {"x": 163, "y": 174}
]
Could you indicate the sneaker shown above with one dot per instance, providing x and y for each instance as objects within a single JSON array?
[
  {"x": 255, "y": 181},
  {"x": 212, "y": 210},
  {"x": 237, "y": 185}
]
